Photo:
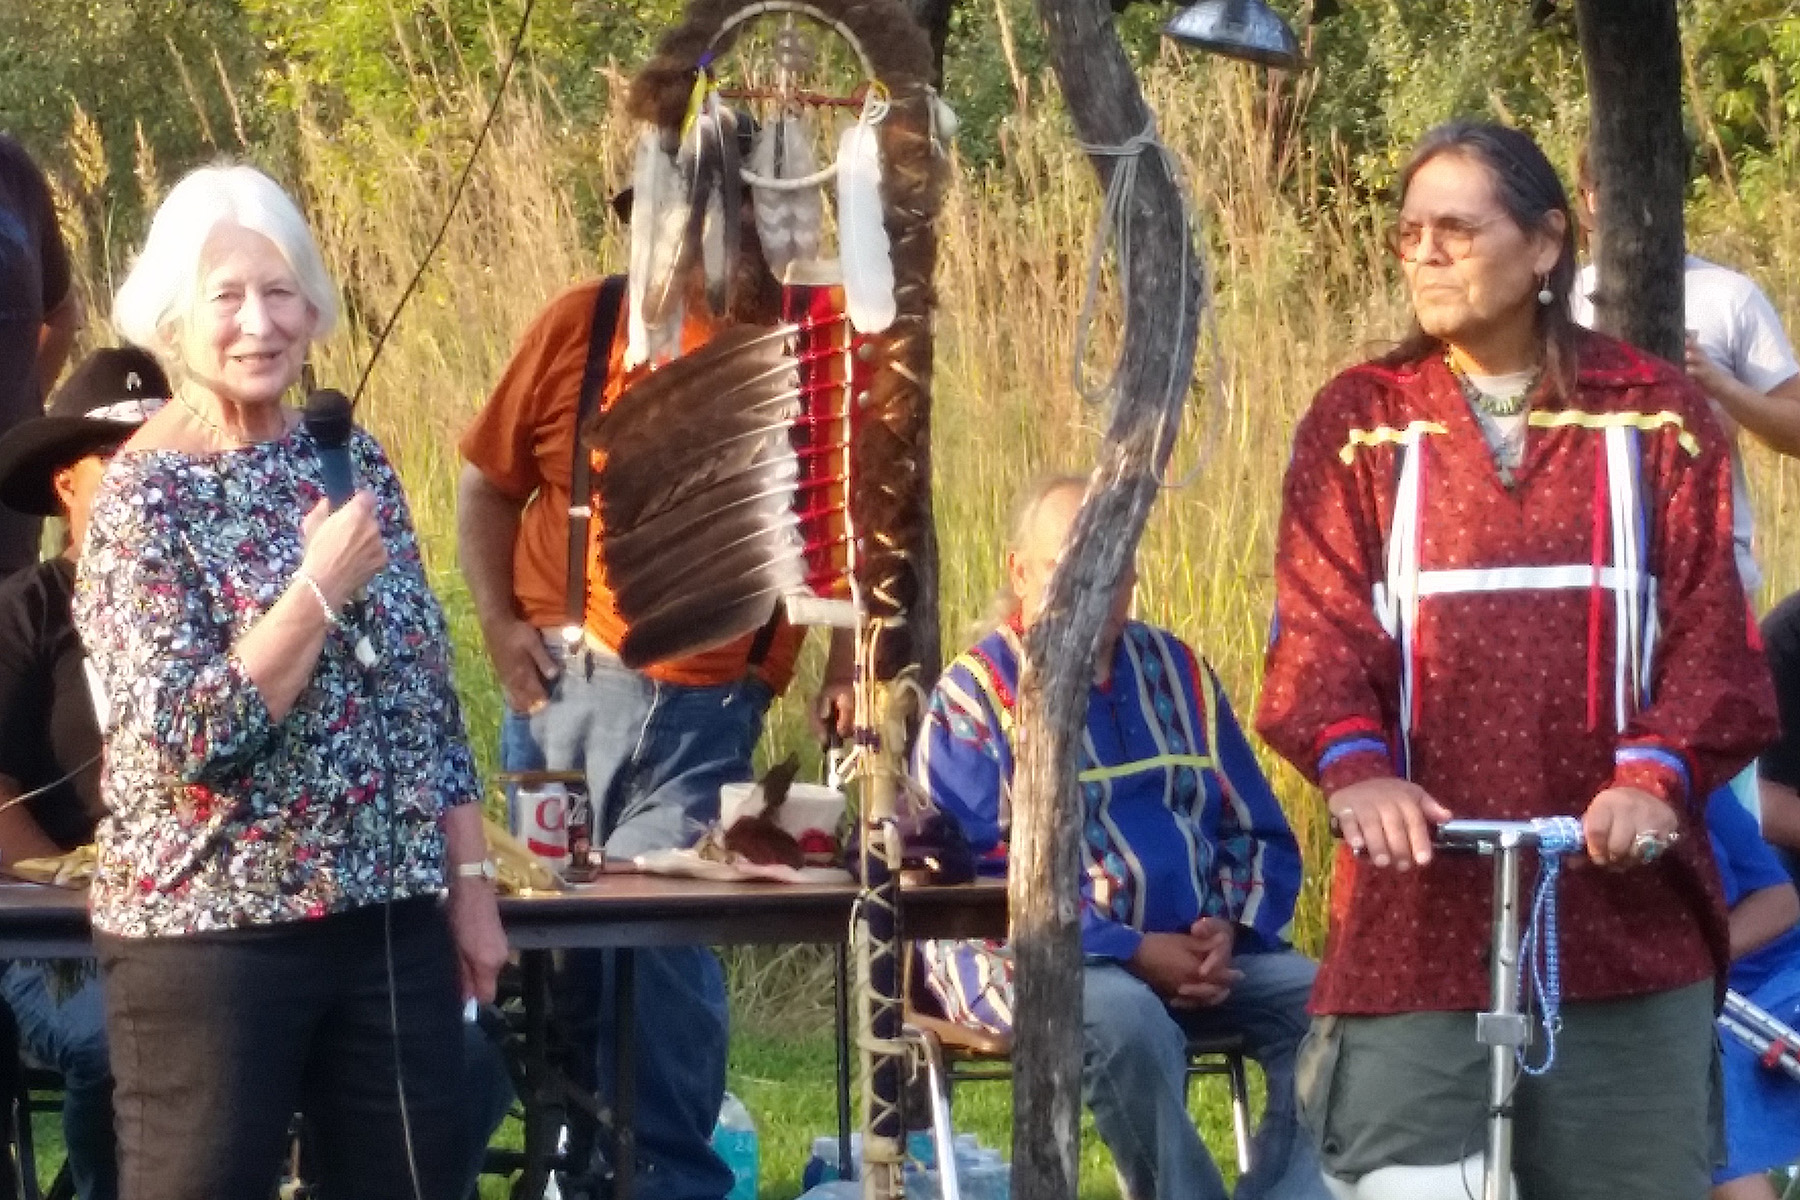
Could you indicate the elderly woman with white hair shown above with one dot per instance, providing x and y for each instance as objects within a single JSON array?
[{"x": 289, "y": 785}]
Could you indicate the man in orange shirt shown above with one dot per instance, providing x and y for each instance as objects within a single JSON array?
[{"x": 656, "y": 744}]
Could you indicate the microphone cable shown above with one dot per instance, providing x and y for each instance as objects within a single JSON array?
[
  {"x": 34, "y": 793},
  {"x": 368, "y": 673}
]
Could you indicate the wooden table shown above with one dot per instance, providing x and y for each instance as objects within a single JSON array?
[{"x": 620, "y": 912}]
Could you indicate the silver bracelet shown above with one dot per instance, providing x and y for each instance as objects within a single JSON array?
[{"x": 331, "y": 617}]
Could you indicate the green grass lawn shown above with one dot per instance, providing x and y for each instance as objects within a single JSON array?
[{"x": 787, "y": 1081}]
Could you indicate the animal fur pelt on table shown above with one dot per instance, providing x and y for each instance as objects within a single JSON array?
[
  {"x": 696, "y": 495},
  {"x": 890, "y": 486}
]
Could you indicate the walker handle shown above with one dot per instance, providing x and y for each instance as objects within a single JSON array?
[{"x": 1553, "y": 835}]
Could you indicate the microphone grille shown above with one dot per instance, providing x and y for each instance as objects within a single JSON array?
[{"x": 327, "y": 418}]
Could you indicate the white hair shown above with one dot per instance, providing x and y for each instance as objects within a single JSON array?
[
  {"x": 1026, "y": 507},
  {"x": 159, "y": 292}
]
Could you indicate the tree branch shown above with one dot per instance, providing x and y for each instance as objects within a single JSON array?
[{"x": 1162, "y": 268}]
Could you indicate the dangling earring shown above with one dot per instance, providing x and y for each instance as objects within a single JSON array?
[{"x": 1545, "y": 295}]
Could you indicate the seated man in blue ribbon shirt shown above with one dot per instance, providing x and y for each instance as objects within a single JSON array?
[{"x": 1190, "y": 874}]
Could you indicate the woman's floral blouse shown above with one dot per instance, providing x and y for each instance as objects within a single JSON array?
[{"x": 220, "y": 815}]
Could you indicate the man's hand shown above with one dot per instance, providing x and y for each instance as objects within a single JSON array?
[
  {"x": 1703, "y": 370},
  {"x": 1167, "y": 962},
  {"x": 1720, "y": 387},
  {"x": 1617, "y": 817},
  {"x": 523, "y": 664},
  {"x": 1388, "y": 819},
  {"x": 1213, "y": 980},
  {"x": 833, "y": 711},
  {"x": 1183, "y": 969}
]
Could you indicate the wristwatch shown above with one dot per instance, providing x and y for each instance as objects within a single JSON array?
[{"x": 485, "y": 869}]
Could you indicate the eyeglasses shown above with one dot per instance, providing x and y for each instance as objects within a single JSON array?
[{"x": 1453, "y": 235}]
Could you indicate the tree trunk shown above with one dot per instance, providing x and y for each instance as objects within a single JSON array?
[
  {"x": 1162, "y": 268},
  {"x": 1639, "y": 159}
]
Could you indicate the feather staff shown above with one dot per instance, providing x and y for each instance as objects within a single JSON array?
[
  {"x": 696, "y": 492},
  {"x": 724, "y": 210},
  {"x": 742, "y": 380},
  {"x": 788, "y": 219},
  {"x": 658, "y": 221},
  {"x": 862, "y": 233}
]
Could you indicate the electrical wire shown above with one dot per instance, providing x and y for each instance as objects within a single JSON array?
[
  {"x": 368, "y": 676},
  {"x": 456, "y": 193},
  {"x": 34, "y": 793}
]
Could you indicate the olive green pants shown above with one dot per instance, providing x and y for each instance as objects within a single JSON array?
[{"x": 1631, "y": 1107}]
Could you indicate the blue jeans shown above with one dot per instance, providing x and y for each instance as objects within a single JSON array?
[
  {"x": 1134, "y": 1079},
  {"x": 67, "y": 1031},
  {"x": 655, "y": 755}
]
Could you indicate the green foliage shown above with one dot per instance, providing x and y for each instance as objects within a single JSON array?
[{"x": 169, "y": 80}]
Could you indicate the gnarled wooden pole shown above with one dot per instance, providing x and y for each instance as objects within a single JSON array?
[
  {"x": 1163, "y": 280},
  {"x": 1632, "y": 51}
]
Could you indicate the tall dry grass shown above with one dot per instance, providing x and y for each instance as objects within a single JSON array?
[{"x": 1300, "y": 291}]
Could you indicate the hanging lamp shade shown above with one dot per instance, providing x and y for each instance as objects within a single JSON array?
[{"x": 1246, "y": 29}]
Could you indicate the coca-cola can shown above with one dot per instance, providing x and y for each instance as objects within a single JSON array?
[{"x": 550, "y": 814}]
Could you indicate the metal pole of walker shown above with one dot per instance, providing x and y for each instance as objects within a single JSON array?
[{"x": 1503, "y": 1029}]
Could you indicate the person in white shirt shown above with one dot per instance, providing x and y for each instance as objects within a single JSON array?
[{"x": 1737, "y": 352}]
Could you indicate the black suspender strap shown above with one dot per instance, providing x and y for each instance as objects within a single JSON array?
[
  {"x": 607, "y": 306},
  {"x": 764, "y": 639}
]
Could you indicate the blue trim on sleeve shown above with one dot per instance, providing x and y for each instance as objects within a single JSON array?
[
  {"x": 1353, "y": 746},
  {"x": 1656, "y": 754}
]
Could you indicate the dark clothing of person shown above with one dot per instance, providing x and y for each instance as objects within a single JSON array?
[
  {"x": 34, "y": 281},
  {"x": 1781, "y": 644},
  {"x": 48, "y": 737},
  {"x": 231, "y": 1033}
]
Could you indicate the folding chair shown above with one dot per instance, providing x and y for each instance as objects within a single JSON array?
[
  {"x": 955, "y": 1053},
  {"x": 28, "y": 1089}
]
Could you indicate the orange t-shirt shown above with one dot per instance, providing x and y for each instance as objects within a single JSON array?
[{"x": 522, "y": 441}]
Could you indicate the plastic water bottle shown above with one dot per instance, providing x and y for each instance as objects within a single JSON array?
[
  {"x": 823, "y": 1166},
  {"x": 734, "y": 1140}
]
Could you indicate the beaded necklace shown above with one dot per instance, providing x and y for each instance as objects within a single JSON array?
[{"x": 1492, "y": 405}]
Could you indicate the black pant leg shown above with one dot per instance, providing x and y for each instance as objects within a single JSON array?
[
  {"x": 351, "y": 1099},
  {"x": 208, "y": 1037}
]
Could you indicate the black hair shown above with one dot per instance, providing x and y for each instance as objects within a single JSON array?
[{"x": 1529, "y": 190}]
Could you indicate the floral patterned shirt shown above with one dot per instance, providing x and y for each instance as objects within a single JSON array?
[{"x": 221, "y": 816}]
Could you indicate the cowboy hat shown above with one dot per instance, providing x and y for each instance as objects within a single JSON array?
[{"x": 98, "y": 406}]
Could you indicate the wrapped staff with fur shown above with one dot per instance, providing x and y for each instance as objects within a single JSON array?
[
  {"x": 895, "y": 180},
  {"x": 891, "y": 469}
]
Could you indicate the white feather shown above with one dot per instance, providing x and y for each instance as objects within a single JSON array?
[
  {"x": 787, "y": 221},
  {"x": 862, "y": 236},
  {"x": 712, "y": 244},
  {"x": 658, "y": 213}
]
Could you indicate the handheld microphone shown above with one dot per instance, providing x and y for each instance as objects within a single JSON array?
[{"x": 328, "y": 424}]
